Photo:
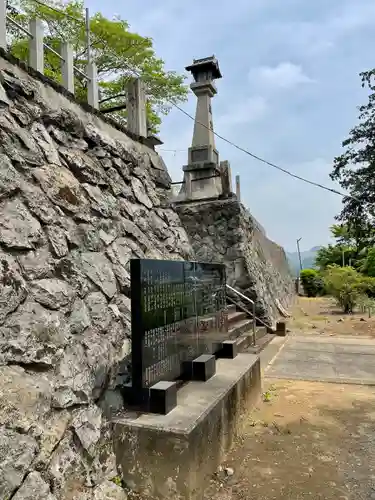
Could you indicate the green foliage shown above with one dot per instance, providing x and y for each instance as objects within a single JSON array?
[
  {"x": 335, "y": 255},
  {"x": 343, "y": 235},
  {"x": 354, "y": 170},
  {"x": 341, "y": 253},
  {"x": 367, "y": 265},
  {"x": 117, "y": 480},
  {"x": 267, "y": 396},
  {"x": 307, "y": 257},
  {"x": 116, "y": 51},
  {"x": 366, "y": 304},
  {"x": 312, "y": 282},
  {"x": 346, "y": 285},
  {"x": 368, "y": 286}
]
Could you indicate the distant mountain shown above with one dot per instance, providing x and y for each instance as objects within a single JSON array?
[{"x": 307, "y": 258}]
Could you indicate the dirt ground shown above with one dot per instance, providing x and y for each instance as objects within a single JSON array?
[
  {"x": 306, "y": 440},
  {"x": 321, "y": 315}
]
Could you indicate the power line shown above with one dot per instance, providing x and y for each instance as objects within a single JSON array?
[
  {"x": 173, "y": 150},
  {"x": 266, "y": 162},
  {"x": 78, "y": 20},
  {"x": 240, "y": 148},
  {"x": 81, "y": 21},
  {"x": 256, "y": 157}
]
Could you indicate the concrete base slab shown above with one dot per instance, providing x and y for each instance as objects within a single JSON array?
[
  {"x": 270, "y": 353},
  {"x": 172, "y": 456},
  {"x": 261, "y": 343},
  {"x": 326, "y": 359}
]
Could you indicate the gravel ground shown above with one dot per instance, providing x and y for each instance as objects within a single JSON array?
[
  {"x": 305, "y": 440},
  {"x": 322, "y": 316}
]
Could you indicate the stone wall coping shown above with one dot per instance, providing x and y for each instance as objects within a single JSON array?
[{"x": 62, "y": 90}]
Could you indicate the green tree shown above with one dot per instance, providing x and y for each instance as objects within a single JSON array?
[
  {"x": 342, "y": 235},
  {"x": 312, "y": 282},
  {"x": 354, "y": 169},
  {"x": 346, "y": 285},
  {"x": 329, "y": 255},
  {"x": 367, "y": 264},
  {"x": 344, "y": 251},
  {"x": 117, "y": 51}
]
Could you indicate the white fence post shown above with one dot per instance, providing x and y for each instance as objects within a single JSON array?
[
  {"x": 36, "y": 57},
  {"x": 67, "y": 69},
  {"x": 92, "y": 86},
  {"x": 136, "y": 108},
  {"x": 238, "y": 188},
  {"x": 3, "y": 24}
]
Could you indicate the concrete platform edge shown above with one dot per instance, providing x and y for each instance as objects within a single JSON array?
[{"x": 174, "y": 461}]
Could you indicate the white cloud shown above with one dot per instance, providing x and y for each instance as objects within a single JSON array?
[
  {"x": 285, "y": 75},
  {"x": 296, "y": 209},
  {"x": 288, "y": 44},
  {"x": 352, "y": 17},
  {"x": 315, "y": 37},
  {"x": 242, "y": 112}
]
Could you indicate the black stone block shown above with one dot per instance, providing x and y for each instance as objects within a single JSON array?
[
  {"x": 229, "y": 349},
  {"x": 281, "y": 328},
  {"x": 163, "y": 397},
  {"x": 134, "y": 398},
  {"x": 127, "y": 393},
  {"x": 204, "y": 367},
  {"x": 187, "y": 370}
]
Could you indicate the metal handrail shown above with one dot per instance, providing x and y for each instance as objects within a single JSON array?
[
  {"x": 241, "y": 294},
  {"x": 252, "y": 303},
  {"x": 21, "y": 28},
  {"x": 249, "y": 300}
]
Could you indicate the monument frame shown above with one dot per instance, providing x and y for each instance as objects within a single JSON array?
[{"x": 179, "y": 327}]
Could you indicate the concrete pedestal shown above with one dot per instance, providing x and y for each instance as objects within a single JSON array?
[{"x": 172, "y": 456}]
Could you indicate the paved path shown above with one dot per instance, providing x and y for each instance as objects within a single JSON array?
[{"x": 325, "y": 359}]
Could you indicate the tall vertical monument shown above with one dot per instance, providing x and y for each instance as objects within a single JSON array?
[{"x": 202, "y": 173}]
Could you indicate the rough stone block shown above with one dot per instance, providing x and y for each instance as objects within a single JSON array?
[
  {"x": 256, "y": 266},
  {"x": 84, "y": 198}
]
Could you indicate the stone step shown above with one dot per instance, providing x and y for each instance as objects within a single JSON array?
[
  {"x": 261, "y": 343},
  {"x": 262, "y": 339},
  {"x": 231, "y": 308},
  {"x": 244, "y": 341},
  {"x": 235, "y": 330},
  {"x": 260, "y": 332},
  {"x": 236, "y": 317}
]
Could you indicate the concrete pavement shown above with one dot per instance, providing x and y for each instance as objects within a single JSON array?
[{"x": 325, "y": 359}]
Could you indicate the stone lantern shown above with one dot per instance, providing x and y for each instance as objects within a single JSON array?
[{"x": 202, "y": 173}]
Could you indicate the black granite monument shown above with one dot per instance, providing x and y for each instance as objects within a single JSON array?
[{"x": 179, "y": 325}]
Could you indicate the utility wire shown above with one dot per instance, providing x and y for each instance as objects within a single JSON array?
[
  {"x": 240, "y": 148},
  {"x": 78, "y": 20},
  {"x": 173, "y": 150},
  {"x": 256, "y": 157},
  {"x": 59, "y": 11}
]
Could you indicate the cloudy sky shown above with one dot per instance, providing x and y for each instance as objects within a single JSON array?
[{"x": 289, "y": 93}]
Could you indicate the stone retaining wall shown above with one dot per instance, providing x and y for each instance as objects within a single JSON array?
[
  {"x": 225, "y": 231},
  {"x": 78, "y": 199}
]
